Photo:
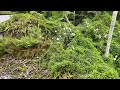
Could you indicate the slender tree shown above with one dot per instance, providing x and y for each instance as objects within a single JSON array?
[
  {"x": 67, "y": 20},
  {"x": 74, "y": 17},
  {"x": 111, "y": 32}
]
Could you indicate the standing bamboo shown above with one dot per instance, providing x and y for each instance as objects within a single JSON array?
[
  {"x": 74, "y": 17},
  {"x": 111, "y": 32}
]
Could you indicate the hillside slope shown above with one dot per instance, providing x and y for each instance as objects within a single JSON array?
[{"x": 33, "y": 46}]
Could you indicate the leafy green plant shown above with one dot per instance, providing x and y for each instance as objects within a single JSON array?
[
  {"x": 65, "y": 51},
  {"x": 63, "y": 61}
]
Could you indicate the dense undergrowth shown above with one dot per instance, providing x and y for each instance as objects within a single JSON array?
[{"x": 35, "y": 46}]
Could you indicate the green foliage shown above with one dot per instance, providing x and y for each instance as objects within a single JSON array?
[
  {"x": 109, "y": 60},
  {"x": 78, "y": 59},
  {"x": 10, "y": 45},
  {"x": 63, "y": 67},
  {"x": 5, "y": 12},
  {"x": 65, "y": 51},
  {"x": 23, "y": 31},
  {"x": 21, "y": 24},
  {"x": 97, "y": 29}
]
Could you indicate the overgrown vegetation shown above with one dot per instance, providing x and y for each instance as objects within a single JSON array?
[{"x": 43, "y": 45}]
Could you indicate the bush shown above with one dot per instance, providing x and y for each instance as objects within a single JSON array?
[
  {"x": 78, "y": 59},
  {"x": 66, "y": 51}
]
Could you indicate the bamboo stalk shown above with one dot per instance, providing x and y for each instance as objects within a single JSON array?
[
  {"x": 111, "y": 32},
  {"x": 74, "y": 18}
]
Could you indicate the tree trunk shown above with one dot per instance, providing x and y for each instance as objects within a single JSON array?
[
  {"x": 67, "y": 20},
  {"x": 74, "y": 18},
  {"x": 111, "y": 32}
]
